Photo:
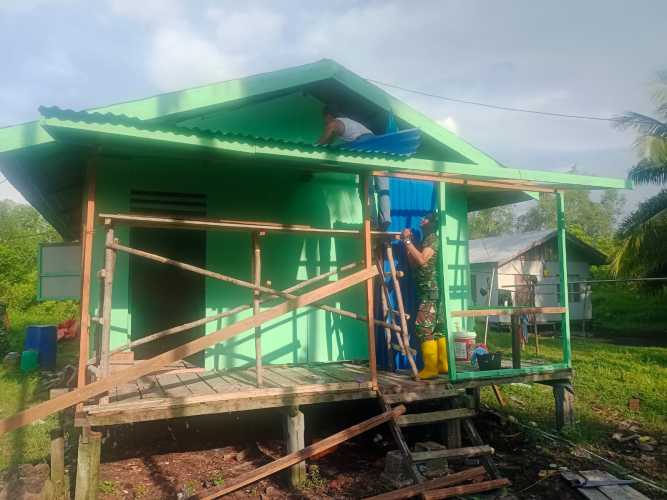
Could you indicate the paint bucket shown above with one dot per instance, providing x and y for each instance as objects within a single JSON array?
[{"x": 464, "y": 343}]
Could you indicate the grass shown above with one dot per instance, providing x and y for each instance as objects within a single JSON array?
[
  {"x": 608, "y": 374},
  {"x": 29, "y": 444},
  {"x": 621, "y": 310}
]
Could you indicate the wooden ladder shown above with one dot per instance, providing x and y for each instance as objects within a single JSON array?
[
  {"x": 456, "y": 416},
  {"x": 390, "y": 316}
]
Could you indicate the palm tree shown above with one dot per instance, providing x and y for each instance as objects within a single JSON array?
[{"x": 642, "y": 236}]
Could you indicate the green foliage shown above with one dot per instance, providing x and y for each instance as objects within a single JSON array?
[
  {"x": 490, "y": 222},
  {"x": 109, "y": 487},
  {"x": 313, "y": 480},
  {"x": 22, "y": 230},
  {"x": 643, "y": 234},
  {"x": 591, "y": 221}
]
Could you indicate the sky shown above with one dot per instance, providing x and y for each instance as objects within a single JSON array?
[{"x": 595, "y": 58}]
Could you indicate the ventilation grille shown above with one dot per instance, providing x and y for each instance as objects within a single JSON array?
[{"x": 167, "y": 203}]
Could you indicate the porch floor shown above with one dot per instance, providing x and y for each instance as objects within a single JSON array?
[{"x": 184, "y": 391}]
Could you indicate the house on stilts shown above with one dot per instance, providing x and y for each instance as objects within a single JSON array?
[{"x": 225, "y": 263}]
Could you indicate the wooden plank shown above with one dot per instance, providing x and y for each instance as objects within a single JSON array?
[
  {"x": 590, "y": 493},
  {"x": 148, "y": 366},
  {"x": 434, "y": 416},
  {"x": 454, "y": 179},
  {"x": 368, "y": 262},
  {"x": 86, "y": 270},
  {"x": 452, "y": 454},
  {"x": 139, "y": 220},
  {"x": 109, "y": 267},
  {"x": 507, "y": 310},
  {"x": 299, "y": 456},
  {"x": 614, "y": 492},
  {"x": 441, "y": 482},
  {"x": 183, "y": 407},
  {"x": 468, "y": 489},
  {"x": 414, "y": 395}
]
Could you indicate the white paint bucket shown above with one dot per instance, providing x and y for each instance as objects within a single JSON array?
[{"x": 464, "y": 343}]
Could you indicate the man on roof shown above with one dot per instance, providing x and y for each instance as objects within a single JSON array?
[{"x": 341, "y": 127}]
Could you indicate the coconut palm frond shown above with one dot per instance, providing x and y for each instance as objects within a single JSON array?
[
  {"x": 643, "y": 124},
  {"x": 648, "y": 172},
  {"x": 648, "y": 212}
]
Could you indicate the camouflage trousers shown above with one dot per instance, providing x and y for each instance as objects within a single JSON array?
[{"x": 429, "y": 322}]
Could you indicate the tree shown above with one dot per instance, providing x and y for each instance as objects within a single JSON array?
[
  {"x": 591, "y": 221},
  {"x": 642, "y": 235},
  {"x": 490, "y": 222}
]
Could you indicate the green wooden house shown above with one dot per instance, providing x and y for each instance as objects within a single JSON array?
[{"x": 242, "y": 151}]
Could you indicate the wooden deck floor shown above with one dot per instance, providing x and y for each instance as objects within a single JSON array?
[{"x": 183, "y": 390}]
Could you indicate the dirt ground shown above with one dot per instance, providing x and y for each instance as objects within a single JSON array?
[{"x": 190, "y": 455}]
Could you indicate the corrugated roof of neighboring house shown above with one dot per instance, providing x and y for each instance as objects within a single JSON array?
[{"x": 502, "y": 249}]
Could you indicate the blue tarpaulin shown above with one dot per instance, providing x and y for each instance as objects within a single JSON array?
[{"x": 410, "y": 201}]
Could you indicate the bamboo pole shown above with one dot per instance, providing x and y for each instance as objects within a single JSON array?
[
  {"x": 401, "y": 311},
  {"x": 86, "y": 264},
  {"x": 368, "y": 263},
  {"x": 224, "y": 314},
  {"x": 387, "y": 332},
  {"x": 42, "y": 410},
  {"x": 257, "y": 278},
  {"x": 109, "y": 265}
]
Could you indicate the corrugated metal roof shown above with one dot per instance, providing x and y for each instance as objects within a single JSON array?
[
  {"x": 503, "y": 248},
  {"x": 405, "y": 145}
]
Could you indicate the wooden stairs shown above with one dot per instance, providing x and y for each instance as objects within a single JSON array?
[{"x": 458, "y": 416}]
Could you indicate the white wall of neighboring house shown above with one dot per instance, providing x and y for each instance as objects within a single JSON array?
[{"x": 547, "y": 275}]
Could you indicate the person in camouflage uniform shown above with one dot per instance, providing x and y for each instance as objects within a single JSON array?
[{"x": 429, "y": 323}]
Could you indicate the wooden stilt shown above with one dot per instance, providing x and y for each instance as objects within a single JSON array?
[
  {"x": 368, "y": 263},
  {"x": 109, "y": 265},
  {"x": 58, "y": 463},
  {"x": 293, "y": 429},
  {"x": 516, "y": 341},
  {"x": 564, "y": 401},
  {"x": 88, "y": 465},
  {"x": 401, "y": 311},
  {"x": 86, "y": 264},
  {"x": 257, "y": 275}
]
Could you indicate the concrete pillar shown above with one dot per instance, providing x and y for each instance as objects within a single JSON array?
[
  {"x": 88, "y": 465},
  {"x": 564, "y": 400},
  {"x": 58, "y": 464},
  {"x": 293, "y": 429}
]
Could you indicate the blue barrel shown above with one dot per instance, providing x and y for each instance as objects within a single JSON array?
[{"x": 43, "y": 339}]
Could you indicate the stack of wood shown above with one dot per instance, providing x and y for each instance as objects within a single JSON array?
[{"x": 448, "y": 486}]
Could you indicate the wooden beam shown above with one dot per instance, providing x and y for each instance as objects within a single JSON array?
[
  {"x": 142, "y": 368},
  {"x": 257, "y": 281},
  {"x": 453, "y": 179},
  {"x": 86, "y": 265},
  {"x": 368, "y": 263},
  {"x": 294, "y": 458},
  {"x": 467, "y": 489},
  {"x": 453, "y": 453},
  {"x": 434, "y": 416},
  {"x": 441, "y": 482},
  {"x": 507, "y": 311},
  {"x": 222, "y": 224}
]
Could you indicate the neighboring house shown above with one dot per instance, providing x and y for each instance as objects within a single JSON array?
[{"x": 522, "y": 270}]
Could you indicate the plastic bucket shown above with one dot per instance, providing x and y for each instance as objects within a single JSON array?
[
  {"x": 43, "y": 339},
  {"x": 464, "y": 343},
  {"x": 29, "y": 361}
]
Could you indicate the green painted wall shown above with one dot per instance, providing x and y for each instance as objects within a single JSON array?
[
  {"x": 280, "y": 195},
  {"x": 458, "y": 264}
]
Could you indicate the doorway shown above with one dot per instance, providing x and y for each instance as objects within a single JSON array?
[{"x": 163, "y": 296}]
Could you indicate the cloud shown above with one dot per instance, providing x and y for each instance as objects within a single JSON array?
[
  {"x": 246, "y": 30},
  {"x": 179, "y": 58},
  {"x": 148, "y": 11}
]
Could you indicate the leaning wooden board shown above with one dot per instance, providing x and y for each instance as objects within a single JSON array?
[
  {"x": 609, "y": 492},
  {"x": 51, "y": 406}
]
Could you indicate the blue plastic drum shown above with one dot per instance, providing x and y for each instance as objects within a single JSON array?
[{"x": 43, "y": 339}]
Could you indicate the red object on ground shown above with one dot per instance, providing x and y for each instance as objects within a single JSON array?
[{"x": 68, "y": 329}]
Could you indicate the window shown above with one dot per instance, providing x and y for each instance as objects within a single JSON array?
[
  {"x": 574, "y": 292},
  {"x": 59, "y": 271}
]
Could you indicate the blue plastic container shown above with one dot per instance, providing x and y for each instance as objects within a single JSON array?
[{"x": 43, "y": 339}]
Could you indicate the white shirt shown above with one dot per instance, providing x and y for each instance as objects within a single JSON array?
[{"x": 352, "y": 130}]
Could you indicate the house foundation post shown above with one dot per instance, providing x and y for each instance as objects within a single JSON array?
[
  {"x": 564, "y": 400},
  {"x": 88, "y": 465},
  {"x": 294, "y": 429}
]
